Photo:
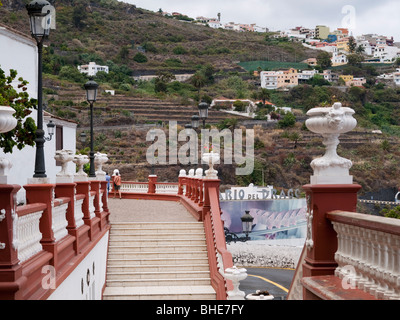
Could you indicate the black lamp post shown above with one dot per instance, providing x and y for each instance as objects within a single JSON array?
[
  {"x": 188, "y": 130},
  {"x": 203, "y": 112},
  {"x": 203, "y": 115},
  {"x": 40, "y": 20},
  {"x": 247, "y": 223},
  {"x": 195, "y": 125},
  {"x": 152, "y": 137},
  {"x": 91, "y": 95}
]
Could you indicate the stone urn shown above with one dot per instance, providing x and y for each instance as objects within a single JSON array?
[
  {"x": 7, "y": 123},
  {"x": 64, "y": 156},
  {"x": 199, "y": 173},
  {"x": 99, "y": 160},
  {"x": 236, "y": 275},
  {"x": 80, "y": 160},
  {"x": 260, "y": 295},
  {"x": 7, "y": 120},
  {"x": 211, "y": 158},
  {"x": 331, "y": 122}
]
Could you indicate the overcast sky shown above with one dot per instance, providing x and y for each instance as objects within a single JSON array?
[{"x": 363, "y": 16}]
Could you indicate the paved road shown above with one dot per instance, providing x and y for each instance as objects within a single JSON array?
[{"x": 275, "y": 281}]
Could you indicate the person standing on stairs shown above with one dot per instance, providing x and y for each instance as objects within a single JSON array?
[{"x": 117, "y": 182}]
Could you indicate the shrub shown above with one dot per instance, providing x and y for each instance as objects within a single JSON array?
[
  {"x": 288, "y": 120},
  {"x": 140, "y": 58},
  {"x": 179, "y": 50}
]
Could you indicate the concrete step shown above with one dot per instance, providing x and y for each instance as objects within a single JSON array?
[
  {"x": 156, "y": 267},
  {"x": 158, "y": 260},
  {"x": 177, "y": 260},
  {"x": 152, "y": 255},
  {"x": 128, "y": 282},
  {"x": 156, "y": 247},
  {"x": 154, "y": 275},
  {"x": 204, "y": 292},
  {"x": 157, "y": 225},
  {"x": 160, "y": 237}
]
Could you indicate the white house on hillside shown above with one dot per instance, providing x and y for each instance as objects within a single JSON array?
[
  {"x": 386, "y": 53},
  {"x": 21, "y": 55},
  {"x": 92, "y": 68},
  {"x": 396, "y": 77}
]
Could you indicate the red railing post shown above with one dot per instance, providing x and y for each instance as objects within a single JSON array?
[
  {"x": 43, "y": 193},
  {"x": 181, "y": 183},
  {"x": 11, "y": 278},
  {"x": 321, "y": 241},
  {"x": 152, "y": 184},
  {"x": 63, "y": 249},
  {"x": 201, "y": 192},
  {"x": 104, "y": 200},
  {"x": 83, "y": 187}
]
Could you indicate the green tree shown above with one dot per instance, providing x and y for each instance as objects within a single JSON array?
[
  {"x": 198, "y": 81},
  {"x": 140, "y": 58},
  {"x": 72, "y": 74},
  {"x": 160, "y": 84},
  {"x": 79, "y": 16},
  {"x": 289, "y": 120},
  {"x": 263, "y": 95},
  {"x": 360, "y": 49},
  {"x": 25, "y": 131},
  {"x": 324, "y": 59},
  {"x": 355, "y": 60},
  {"x": 352, "y": 45},
  {"x": 391, "y": 213}
]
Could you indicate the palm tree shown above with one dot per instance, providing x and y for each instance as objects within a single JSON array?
[
  {"x": 263, "y": 95},
  {"x": 198, "y": 81}
]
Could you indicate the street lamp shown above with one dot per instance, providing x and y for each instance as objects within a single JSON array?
[
  {"x": 188, "y": 130},
  {"x": 83, "y": 137},
  {"x": 247, "y": 223},
  {"x": 40, "y": 19},
  {"x": 50, "y": 130},
  {"x": 195, "y": 121},
  {"x": 91, "y": 95},
  {"x": 152, "y": 133},
  {"x": 203, "y": 112}
]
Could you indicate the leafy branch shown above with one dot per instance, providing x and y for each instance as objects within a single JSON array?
[{"x": 25, "y": 131}]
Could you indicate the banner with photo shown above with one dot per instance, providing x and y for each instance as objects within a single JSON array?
[{"x": 273, "y": 218}]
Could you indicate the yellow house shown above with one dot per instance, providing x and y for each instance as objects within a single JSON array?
[
  {"x": 343, "y": 44},
  {"x": 346, "y": 78},
  {"x": 287, "y": 78}
]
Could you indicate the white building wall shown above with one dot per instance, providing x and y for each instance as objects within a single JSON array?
[
  {"x": 87, "y": 280},
  {"x": 21, "y": 55}
]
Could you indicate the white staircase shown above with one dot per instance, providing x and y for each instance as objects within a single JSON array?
[{"x": 158, "y": 260}]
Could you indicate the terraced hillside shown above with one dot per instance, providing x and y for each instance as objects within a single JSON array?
[{"x": 115, "y": 110}]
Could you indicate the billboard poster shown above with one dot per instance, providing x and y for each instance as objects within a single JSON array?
[{"x": 273, "y": 218}]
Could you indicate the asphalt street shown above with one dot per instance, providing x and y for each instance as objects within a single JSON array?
[{"x": 275, "y": 281}]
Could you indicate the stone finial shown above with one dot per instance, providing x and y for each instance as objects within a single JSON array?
[
  {"x": 331, "y": 122},
  {"x": 191, "y": 173},
  {"x": 211, "y": 158},
  {"x": 5, "y": 166},
  {"x": 80, "y": 160},
  {"x": 199, "y": 173},
  {"x": 235, "y": 275},
  {"x": 64, "y": 156},
  {"x": 99, "y": 160},
  {"x": 182, "y": 173}
]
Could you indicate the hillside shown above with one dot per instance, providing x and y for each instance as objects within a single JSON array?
[
  {"x": 108, "y": 30},
  {"x": 113, "y": 33}
]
